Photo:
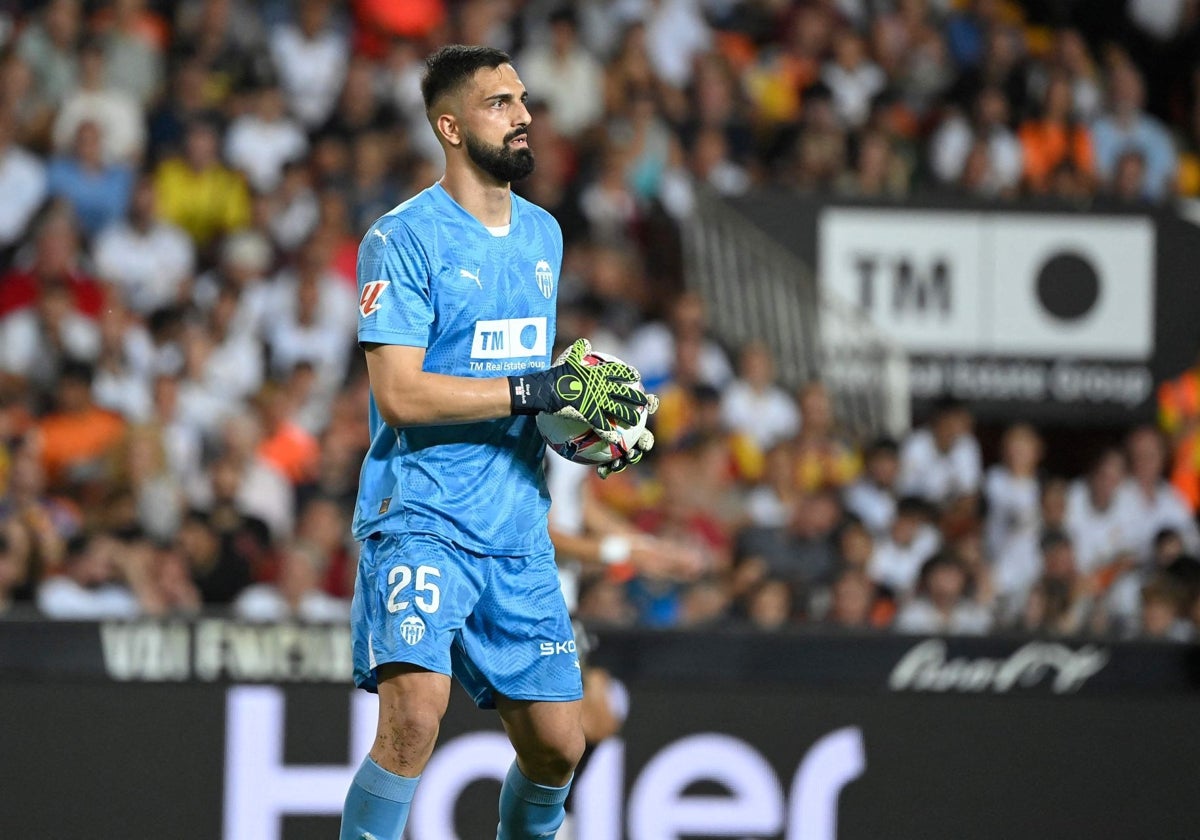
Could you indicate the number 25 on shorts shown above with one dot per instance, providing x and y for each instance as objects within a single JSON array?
[{"x": 428, "y": 597}]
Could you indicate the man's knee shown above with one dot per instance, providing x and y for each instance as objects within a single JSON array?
[
  {"x": 553, "y": 758},
  {"x": 408, "y": 731}
]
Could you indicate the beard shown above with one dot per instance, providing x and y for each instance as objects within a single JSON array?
[{"x": 501, "y": 162}]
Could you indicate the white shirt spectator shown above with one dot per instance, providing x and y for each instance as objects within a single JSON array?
[
  {"x": 675, "y": 33},
  {"x": 311, "y": 71},
  {"x": 921, "y": 616},
  {"x": 125, "y": 391},
  {"x": 260, "y": 148},
  {"x": 1016, "y": 567},
  {"x": 898, "y": 566},
  {"x": 937, "y": 476},
  {"x": 1013, "y": 507},
  {"x": 874, "y": 505},
  {"x": 562, "y": 81},
  {"x": 64, "y": 599},
  {"x": 853, "y": 90},
  {"x": 23, "y": 340},
  {"x": 324, "y": 346},
  {"x": 952, "y": 142},
  {"x": 148, "y": 266},
  {"x": 768, "y": 416},
  {"x": 23, "y": 185},
  {"x": 264, "y": 602},
  {"x": 337, "y": 302},
  {"x": 120, "y": 118},
  {"x": 651, "y": 349},
  {"x": 1143, "y": 517},
  {"x": 1098, "y": 535}
]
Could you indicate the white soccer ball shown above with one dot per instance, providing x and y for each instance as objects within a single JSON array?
[{"x": 577, "y": 441}]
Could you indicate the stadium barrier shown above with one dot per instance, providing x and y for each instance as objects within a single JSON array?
[{"x": 216, "y": 729}]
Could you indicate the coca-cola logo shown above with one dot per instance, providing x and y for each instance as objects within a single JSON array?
[{"x": 926, "y": 667}]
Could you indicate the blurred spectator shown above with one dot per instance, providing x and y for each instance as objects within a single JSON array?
[
  {"x": 1055, "y": 137},
  {"x": 852, "y": 604},
  {"x": 822, "y": 458},
  {"x": 1148, "y": 503},
  {"x": 260, "y": 141},
  {"x": 853, "y": 79},
  {"x": 197, "y": 192},
  {"x": 1094, "y": 513},
  {"x": 1061, "y": 600},
  {"x": 117, "y": 115},
  {"x": 981, "y": 151},
  {"x": 13, "y": 569},
  {"x": 149, "y": 260},
  {"x": 804, "y": 552},
  {"x": 290, "y": 214},
  {"x": 98, "y": 192},
  {"x": 310, "y": 56},
  {"x": 771, "y": 606},
  {"x": 911, "y": 540},
  {"x": 1161, "y": 611},
  {"x": 91, "y": 586},
  {"x": 76, "y": 437},
  {"x": 1011, "y": 493},
  {"x": 297, "y": 595},
  {"x": 1017, "y": 562},
  {"x": 942, "y": 460},
  {"x": 49, "y": 46},
  {"x": 557, "y": 70},
  {"x": 773, "y": 500},
  {"x": 217, "y": 572},
  {"x": 651, "y": 348},
  {"x": 1126, "y": 127},
  {"x": 1179, "y": 417},
  {"x": 878, "y": 170},
  {"x": 191, "y": 97},
  {"x": 676, "y": 32},
  {"x": 122, "y": 379},
  {"x": 38, "y": 341},
  {"x": 285, "y": 445},
  {"x": 134, "y": 38},
  {"x": 754, "y": 404},
  {"x": 872, "y": 498},
  {"x": 22, "y": 183},
  {"x": 942, "y": 603}
]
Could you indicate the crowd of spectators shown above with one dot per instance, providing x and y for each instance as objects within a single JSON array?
[{"x": 183, "y": 405}]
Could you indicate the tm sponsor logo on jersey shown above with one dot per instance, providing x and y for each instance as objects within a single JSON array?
[
  {"x": 368, "y": 300},
  {"x": 509, "y": 338}
]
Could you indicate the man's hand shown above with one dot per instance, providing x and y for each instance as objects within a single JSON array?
[
  {"x": 595, "y": 394},
  {"x": 645, "y": 443}
]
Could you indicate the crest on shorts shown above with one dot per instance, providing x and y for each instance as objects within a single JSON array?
[
  {"x": 545, "y": 278},
  {"x": 412, "y": 629}
]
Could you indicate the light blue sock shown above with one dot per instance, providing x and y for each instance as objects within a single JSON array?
[
  {"x": 377, "y": 804},
  {"x": 529, "y": 810}
]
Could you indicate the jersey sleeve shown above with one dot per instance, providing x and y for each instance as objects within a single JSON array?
[{"x": 394, "y": 304}]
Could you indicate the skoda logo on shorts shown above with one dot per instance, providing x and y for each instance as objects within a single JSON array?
[
  {"x": 545, "y": 278},
  {"x": 412, "y": 629}
]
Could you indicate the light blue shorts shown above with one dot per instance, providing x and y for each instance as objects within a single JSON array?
[{"x": 499, "y": 625}]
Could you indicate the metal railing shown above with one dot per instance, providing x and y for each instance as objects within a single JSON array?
[{"x": 756, "y": 289}]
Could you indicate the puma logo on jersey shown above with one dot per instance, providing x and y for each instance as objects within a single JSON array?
[
  {"x": 380, "y": 234},
  {"x": 462, "y": 272},
  {"x": 368, "y": 301}
]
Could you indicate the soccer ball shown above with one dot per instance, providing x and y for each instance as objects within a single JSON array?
[{"x": 577, "y": 441}]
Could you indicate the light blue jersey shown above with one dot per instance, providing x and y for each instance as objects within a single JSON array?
[{"x": 431, "y": 275}]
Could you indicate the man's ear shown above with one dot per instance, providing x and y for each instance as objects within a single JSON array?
[{"x": 448, "y": 129}]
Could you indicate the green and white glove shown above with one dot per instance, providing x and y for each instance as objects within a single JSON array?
[{"x": 595, "y": 394}]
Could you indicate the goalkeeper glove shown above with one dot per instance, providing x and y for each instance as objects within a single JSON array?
[
  {"x": 596, "y": 394},
  {"x": 645, "y": 443}
]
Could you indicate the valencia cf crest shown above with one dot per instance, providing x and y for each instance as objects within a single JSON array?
[{"x": 545, "y": 278}]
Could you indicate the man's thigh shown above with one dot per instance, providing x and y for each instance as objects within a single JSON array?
[
  {"x": 412, "y": 596},
  {"x": 518, "y": 641}
]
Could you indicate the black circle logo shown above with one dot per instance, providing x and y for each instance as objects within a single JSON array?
[{"x": 1068, "y": 286}]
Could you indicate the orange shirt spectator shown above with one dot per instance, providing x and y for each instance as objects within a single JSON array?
[
  {"x": 286, "y": 445},
  {"x": 1055, "y": 138},
  {"x": 77, "y": 437}
]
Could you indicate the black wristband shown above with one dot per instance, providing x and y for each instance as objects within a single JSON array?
[{"x": 524, "y": 395}]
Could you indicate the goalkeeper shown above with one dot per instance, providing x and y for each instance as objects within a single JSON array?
[{"x": 456, "y": 576}]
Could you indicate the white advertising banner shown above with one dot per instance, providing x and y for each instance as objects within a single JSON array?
[{"x": 1014, "y": 285}]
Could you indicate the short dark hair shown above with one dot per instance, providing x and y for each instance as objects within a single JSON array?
[{"x": 454, "y": 64}]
